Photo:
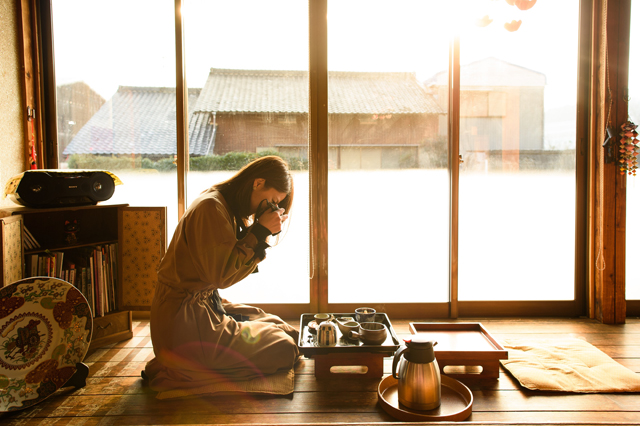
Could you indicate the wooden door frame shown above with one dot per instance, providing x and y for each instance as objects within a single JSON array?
[
  {"x": 610, "y": 70},
  {"x": 31, "y": 85}
]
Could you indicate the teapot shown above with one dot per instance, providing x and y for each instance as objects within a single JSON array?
[{"x": 416, "y": 368}]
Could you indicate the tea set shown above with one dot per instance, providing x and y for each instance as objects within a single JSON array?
[
  {"x": 362, "y": 328},
  {"x": 414, "y": 365}
]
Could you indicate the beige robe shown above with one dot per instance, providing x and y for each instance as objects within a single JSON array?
[{"x": 194, "y": 345}]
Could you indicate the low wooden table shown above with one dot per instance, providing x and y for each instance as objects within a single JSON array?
[
  {"x": 348, "y": 358},
  {"x": 464, "y": 350},
  {"x": 349, "y": 365}
]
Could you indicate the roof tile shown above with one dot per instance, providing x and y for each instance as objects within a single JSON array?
[{"x": 228, "y": 90}]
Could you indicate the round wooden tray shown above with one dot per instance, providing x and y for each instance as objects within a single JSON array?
[{"x": 456, "y": 402}]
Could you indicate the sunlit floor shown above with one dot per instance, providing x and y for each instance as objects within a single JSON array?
[{"x": 115, "y": 393}]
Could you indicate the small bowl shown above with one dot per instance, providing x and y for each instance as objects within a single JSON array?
[
  {"x": 371, "y": 333},
  {"x": 347, "y": 327},
  {"x": 313, "y": 326},
  {"x": 322, "y": 317},
  {"x": 365, "y": 314}
]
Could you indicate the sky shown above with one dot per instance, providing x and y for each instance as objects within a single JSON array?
[{"x": 131, "y": 42}]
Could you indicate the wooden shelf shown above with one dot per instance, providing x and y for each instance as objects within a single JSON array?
[
  {"x": 64, "y": 248},
  {"x": 93, "y": 225}
]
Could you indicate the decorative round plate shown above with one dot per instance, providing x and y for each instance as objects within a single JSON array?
[{"x": 45, "y": 329}]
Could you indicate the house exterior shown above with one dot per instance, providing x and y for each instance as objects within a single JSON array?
[
  {"x": 501, "y": 112},
  {"x": 76, "y": 104},
  {"x": 376, "y": 120},
  {"x": 138, "y": 121}
]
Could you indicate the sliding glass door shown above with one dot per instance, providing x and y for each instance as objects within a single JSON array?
[
  {"x": 388, "y": 183},
  {"x": 410, "y": 230},
  {"x": 517, "y": 208},
  {"x": 115, "y": 92},
  {"x": 247, "y": 66}
]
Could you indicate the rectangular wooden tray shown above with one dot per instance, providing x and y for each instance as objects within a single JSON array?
[
  {"x": 307, "y": 342},
  {"x": 464, "y": 350}
]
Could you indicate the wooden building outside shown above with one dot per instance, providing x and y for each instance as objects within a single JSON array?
[
  {"x": 76, "y": 103},
  {"x": 376, "y": 120},
  {"x": 501, "y": 113}
]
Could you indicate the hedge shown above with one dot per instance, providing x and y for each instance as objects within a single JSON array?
[{"x": 229, "y": 161}]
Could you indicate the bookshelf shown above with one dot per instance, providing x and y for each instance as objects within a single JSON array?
[{"x": 108, "y": 251}]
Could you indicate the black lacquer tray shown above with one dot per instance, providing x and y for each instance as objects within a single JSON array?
[{"x": 307, "y": 343}]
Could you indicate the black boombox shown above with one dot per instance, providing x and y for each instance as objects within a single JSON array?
[{"x": 61, "y": 188}]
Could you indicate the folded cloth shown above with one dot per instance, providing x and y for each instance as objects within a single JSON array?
[
  {"x": 280, "y": 383},
  {"x": 569, "y": 365}
]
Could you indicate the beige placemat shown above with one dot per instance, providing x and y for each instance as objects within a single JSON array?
[
  {"x": 275, "y": 384},
  {"x": 569, "y": 365}
]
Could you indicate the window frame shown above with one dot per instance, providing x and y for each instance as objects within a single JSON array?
[{"x": 318, "y": 171}]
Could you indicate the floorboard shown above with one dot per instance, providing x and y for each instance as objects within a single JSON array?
[{"x": 116, "y": 395}]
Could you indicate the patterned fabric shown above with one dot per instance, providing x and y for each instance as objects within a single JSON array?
[
  {"x": 142, "y": 250},
  {"x": 12, "y": 240}
]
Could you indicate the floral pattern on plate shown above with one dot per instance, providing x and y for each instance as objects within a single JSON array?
[{"x": 45, "y": 330}]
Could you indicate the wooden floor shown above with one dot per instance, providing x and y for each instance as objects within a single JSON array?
[{"x": 115, "y": 394}]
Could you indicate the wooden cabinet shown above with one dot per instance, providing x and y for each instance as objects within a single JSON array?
[
  {"x": 137, "y": 233},
  {"x": 11, "y": 255}
]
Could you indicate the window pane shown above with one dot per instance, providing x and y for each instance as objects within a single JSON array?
[
  {"x": 632, "y": 278},
  {"x": 246, "y": 66},
  {"x": 517, "y": 140},
  {"x": 388, "y": 180},
  {"x": 115, "y": 76}
]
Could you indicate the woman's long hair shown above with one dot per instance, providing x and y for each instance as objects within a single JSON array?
[{"x": 237, "y": 189}]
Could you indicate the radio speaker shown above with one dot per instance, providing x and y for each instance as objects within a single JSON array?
[{"x": 46, "y": 188}]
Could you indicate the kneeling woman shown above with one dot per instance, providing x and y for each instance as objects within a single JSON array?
[{"x": 199, "y": 338}]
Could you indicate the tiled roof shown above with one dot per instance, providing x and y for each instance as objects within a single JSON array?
[
  {"x": 136, "y": 120},
  {"x": 201, "y": 133},
  {"x": 228, "y": 90},
  {"x": 492, "y": 72}
]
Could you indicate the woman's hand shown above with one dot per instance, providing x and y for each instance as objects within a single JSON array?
[{"x": 273, "y": 220}]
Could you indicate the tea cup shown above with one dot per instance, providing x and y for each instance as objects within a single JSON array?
[
  {"x": 365, "y": 314},
  {"x": 322, "y": 317},
  {"x": 371, "y": 333}
]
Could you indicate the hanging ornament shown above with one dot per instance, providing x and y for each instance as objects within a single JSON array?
[
  {"x": 484, "y": 21},
  {"x": 512, "y": 26},
  {"x": 520, "y": 4},
  {"x": 33, "y": 165},
  {"x": 629, "y": 149},
  {"x": 524, "y": 4}
]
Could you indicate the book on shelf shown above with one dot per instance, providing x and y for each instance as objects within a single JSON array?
[
  {"x": 93, "y": 270},
  {"x": 29, "y": 241}
]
